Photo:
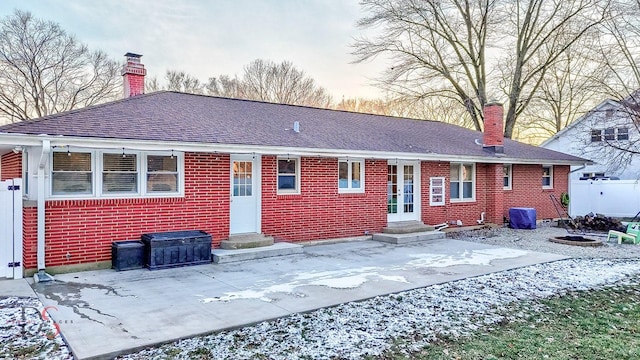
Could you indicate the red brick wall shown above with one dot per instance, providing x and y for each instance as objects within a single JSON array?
[
  {"x": 494, "y": 186},
  {"x": 133, "y": 84},
  {"x": 467, "y": 212},
  {"x": 319, "y": 212},
  {"x": 493, "y": 125},
  {"x": 86, "y": 228},
  {"x": 528, "y": 192},
  {"x": 11, "y": 166},
  {"x": 30, "y": 237}
]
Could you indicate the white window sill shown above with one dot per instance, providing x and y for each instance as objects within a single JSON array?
[
  {"x": 457, "y": 201},
  {"x": 350, "y": 191}
]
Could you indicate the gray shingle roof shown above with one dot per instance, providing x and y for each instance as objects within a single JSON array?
[{"x": 179, "y": 117}]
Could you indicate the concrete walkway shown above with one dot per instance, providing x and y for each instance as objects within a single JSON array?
[
  {"x": 106, "y": 313},
  {"x": 19, "y": 287}
]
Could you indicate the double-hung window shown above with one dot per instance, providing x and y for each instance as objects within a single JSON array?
[
  {"x": 462, "y": 182},
  {"x": 547, "y": 177},
  {"x": 120, "y": 174},
  {"x": 610, "y": 134},
  {"x": 289, "y": 175},
  {"x": 72, "y": 173},
  {"x": 350, "y": 175},
  {"x": 508, "y": 176},
  {"x": 623, "y": 133},
  {"x": 162, "y": 174},
  {"x": 97, "y": 174}
]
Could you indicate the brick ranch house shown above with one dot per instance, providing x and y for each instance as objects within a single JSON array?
[{"x": 173, "y": 161}]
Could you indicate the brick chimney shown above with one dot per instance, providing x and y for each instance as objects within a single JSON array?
[
  {"x": 493, "y": 127},
  {"x": 133, "y": 72}
]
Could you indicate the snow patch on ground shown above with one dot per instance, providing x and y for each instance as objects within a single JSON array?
[
  {"x": 27, "y": 329},
  {"x": 472, "y": 257},
  {"x": 355, "y": 277},
  {"x": 369, "y": 328}
]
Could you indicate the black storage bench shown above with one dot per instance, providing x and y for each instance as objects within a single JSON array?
[
  {"x": 177, "y": 248},
  {"x": 127, "y": 255}
]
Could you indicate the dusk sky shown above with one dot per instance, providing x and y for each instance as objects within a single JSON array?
[{"x": 211, "y": 38}]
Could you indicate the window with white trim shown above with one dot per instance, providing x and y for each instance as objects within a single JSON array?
[
  {"x": 610, "y": 134},
  {"x": 622, "y": 133},
  {"x": 436, "y": 191},
  {"x": 289, "y": 175},
  {"x": 72, "y": 173},
  {"x": 162, "y": 174},
  {"x": 120, "y": 173},
  {"x": 350, "y": 175},
  {"x": 462, "y": 181},
  {"x": 506, "y": 182},
  {"x": 106, "y": 174},
  {"x": 547, "y": 177}
]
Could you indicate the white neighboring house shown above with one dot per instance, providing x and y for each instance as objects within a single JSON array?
[{"x": 597, "y": 134}]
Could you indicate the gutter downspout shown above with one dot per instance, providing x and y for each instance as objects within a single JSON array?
[{"x": 41, "y": 275}]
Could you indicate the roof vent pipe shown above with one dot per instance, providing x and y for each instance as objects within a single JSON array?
[{"x": 296, "y": 126}]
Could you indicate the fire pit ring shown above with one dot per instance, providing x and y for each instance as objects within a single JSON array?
[{"x": 576, "y": 240}]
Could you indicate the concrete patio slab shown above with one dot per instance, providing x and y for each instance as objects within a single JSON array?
[
  {"x": 105, "y": 313},
  {"x": 17, "y": 287}
]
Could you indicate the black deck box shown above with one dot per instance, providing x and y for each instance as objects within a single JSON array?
[
  {"x": 127, "y": 255},
  {"x": 176, "y": 248}
]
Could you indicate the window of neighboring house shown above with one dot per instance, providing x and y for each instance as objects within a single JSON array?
[
  {"x": 119, "y": 173},
  {"x": 609, "y": 113},
  {"x": 623, "y": 133},
  {"x": 288, "y": 175},
  {"x": 462, "y": 182},
  {"x": 350, "y": 175},
  {"x": 72, "y": 173},
  {"x": 506, "y": 183},
  {"x": 436, "y": 191},
  {"x": 596, "y": 135},
  {"x": 547, "y": 177},
  {"x": 610, "y": 134},
  {"x": 162, "y": 174}
]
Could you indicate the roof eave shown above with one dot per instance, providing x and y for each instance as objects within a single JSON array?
[{"x": 11, "y": 139}]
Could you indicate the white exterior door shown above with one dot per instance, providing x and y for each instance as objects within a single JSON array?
[
  {"x": 244, "y": 214},
  {"x": 403, "y": 190},
  {"x": 11, "y": 229}
]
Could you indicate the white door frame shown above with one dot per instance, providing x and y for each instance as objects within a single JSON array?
[
  {"x": 417, "y": 196},
  {"x": 256, "y": 191},
  {"x": 11, "y": 265}
]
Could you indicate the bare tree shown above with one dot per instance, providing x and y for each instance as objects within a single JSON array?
[
  {"x": 151, "y": 84},
  {"x": 368, "y": 106},
  {"x": 440, "y": 48},
  {"x": 614, "y": 138},
  {"x": 44, "y": 70},
  {"x": 282, "y": 83},
  {"x": 573, "y": 85},
  {"x": 181, "y": 81},
  {"x": 226, "y": 86}
]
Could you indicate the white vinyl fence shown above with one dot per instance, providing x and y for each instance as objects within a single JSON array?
[{"x": 617, "y": 198}]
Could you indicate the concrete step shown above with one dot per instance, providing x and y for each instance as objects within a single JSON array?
[
  {"x": 246, "y": 241},
  {"x": 406, "y": 227},
  {"x": 409, "y": 238},
  {"x": 221, "y": 256}
]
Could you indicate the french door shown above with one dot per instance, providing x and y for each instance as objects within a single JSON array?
[{"x": 403, "y": 190}]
